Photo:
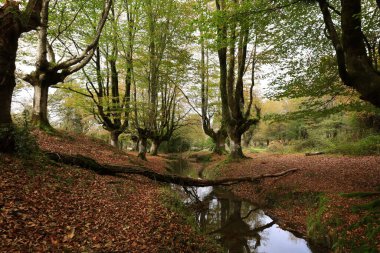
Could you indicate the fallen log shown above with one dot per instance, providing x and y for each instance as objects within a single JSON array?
[{"x": 113, "y": 170}]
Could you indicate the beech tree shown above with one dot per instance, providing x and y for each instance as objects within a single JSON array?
[
  {"x": 13, "y": 22},
  {"x": 116, "y": 52},
  {"x": 212, "y": 126},
  {"x": 157, "y": 112},
  {"x": 48, "y": 69},
  {"x": 233, "y": 37},
  {"x": 218, "y": 136},
  {"x": 357, "y": 51}
]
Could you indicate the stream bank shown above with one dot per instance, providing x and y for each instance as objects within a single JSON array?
[{"x": 236, "y": 224}]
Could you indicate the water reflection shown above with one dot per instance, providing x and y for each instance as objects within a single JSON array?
[{"x": 239, "y": 226}]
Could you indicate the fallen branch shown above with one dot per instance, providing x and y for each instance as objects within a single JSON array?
[
  {"x": 314, "y": 153},
  {"x": 113, "y": 170}
]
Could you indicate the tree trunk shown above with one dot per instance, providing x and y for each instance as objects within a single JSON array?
[
  {"x": 220, "y": 142},
  {"x": 10, "y": 32},
  {"x": 115, "y": 139},
  {"x": 143, "y": 143},
  {"x": 113, "y": 170},
  {"x": 40, "y": 102},
  {"x": 154, "y": 149},
  {"x": 7, "y": 143},
  {"x": 236, "y": 151},
  {"x": 13, "y": 24}
]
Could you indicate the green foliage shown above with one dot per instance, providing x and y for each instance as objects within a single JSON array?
[
  {"x": 369, "y": 221},
  {"x": 369, "y": 145},
  {"x": 359, "y": 194},
  {"x": 312, "y": 144},
  {"x": 316, "y": 228},
  {"x": 276, "y": 147},
  {"x": 176, "y": 144},
  {"x": 26, "y": 146},
  {"x": 257, "y": 150}
]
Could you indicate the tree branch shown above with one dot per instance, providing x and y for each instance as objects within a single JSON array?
[{"x": 91, "y": 164}]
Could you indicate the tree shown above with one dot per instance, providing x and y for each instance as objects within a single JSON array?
[
  {"x": 116, "y": 49},
  {"x": 157, "y": 112},
  {"x": 13, "y": 22},
  {"x": 357, "y": 53},
  {"x": 234, "y": 35},
  {"x": 218, "y": 136},
  {"x": 208, "y": 111},
  {"x": 50, "y": 71}
]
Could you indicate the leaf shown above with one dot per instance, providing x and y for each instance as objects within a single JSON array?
[{"x": 70, "y": 234}]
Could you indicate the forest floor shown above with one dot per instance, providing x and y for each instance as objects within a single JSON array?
[
  {"x": 52, "y": 207},
  {"x": 47, "y": 207}
]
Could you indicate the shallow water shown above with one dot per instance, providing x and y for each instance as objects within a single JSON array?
[{"x": 238, "y": 225}]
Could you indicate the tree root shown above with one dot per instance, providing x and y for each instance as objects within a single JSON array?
[{"x": 113, "y": 170}]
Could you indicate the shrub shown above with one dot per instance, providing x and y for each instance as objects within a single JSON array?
[
  {"x": 26, "y": 146},
  {"x": 369, "y": 145},
  {"x": 276, "y": 147},
  {"x": 312, "y": 144}
]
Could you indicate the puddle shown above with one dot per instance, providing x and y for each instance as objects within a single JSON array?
[{"x": 239, "y": 226}]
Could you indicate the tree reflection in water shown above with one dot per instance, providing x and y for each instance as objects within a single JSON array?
[{"x": 236, "y": 224}]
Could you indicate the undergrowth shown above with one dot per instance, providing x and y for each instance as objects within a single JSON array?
[
  {"x": 369, "y": 145},
  {"x": 326, "y": 226}
]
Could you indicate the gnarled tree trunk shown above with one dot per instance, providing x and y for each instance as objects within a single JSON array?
[
  {"x": 220, "y": 143},
  {"x": 13, "y": 23},
  {"x": 356, "y": 69},
  {"x": 10, "y": 31},
  {"x": 143, "y": 143},
  {"x": 115, "y": 139},
  {"x": 236, "y": 150}
]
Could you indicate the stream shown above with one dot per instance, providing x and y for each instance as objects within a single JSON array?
[{"x": 239, "y": 226}]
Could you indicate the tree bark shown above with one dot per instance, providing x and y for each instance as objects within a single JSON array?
[
  {"x": 88, "y": 163},
  {"x": 13, "y": 23},
  {"x": 236, "y": 151},
  {"x": 143, "y": 143},
  {"x": 354, "y": 65},
  {"x": 40, "y": 107},
  {"x": 115, "y": 138},
  {"x": 7, "y": 143},
  {"x": 232, "y": 37},
  {"x": 10, "y": 31},
  {"x": 220, "y": 142},
  {"x": 154, "y": 148}
]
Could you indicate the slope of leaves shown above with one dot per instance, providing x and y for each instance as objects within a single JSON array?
[{"x": 47, "y": 207}]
